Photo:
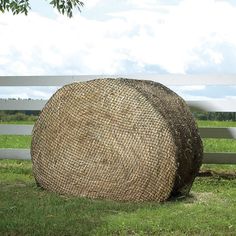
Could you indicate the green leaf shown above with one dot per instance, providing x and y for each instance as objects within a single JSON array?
[
  {"x": 23, "y": 6},
  {"x": 69, "y": 4}
]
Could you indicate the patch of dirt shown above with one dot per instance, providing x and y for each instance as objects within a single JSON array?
[
  {"x": 205, "y": 197},
  {"x": 215, "y": 174},
  {"x": 198, "y": 198}
]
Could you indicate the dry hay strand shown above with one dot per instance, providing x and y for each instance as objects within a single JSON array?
[{"x": 118, "y": 139}]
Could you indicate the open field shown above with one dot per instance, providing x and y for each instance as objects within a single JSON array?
[
  {"x": 28, "y": 210},
  {"x": 208, "y": 123},
  {"x": 210, "y": 145}
]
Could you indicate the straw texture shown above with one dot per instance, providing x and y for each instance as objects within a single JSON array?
[{"x": 118, "y": 139}]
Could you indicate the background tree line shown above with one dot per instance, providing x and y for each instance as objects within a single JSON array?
[
  {"x": 6, "y": 116},
  {"x": 220, "y": 116}
]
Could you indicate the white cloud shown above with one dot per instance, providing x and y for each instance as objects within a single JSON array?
[
  {"x": 188, "y": 88},
  {"x": 27, "y": 92},
  {"x": 91, "y": 4},
  {"x": 216, "y": 57},
  {"x": 172, "y": 37},
  {"x": 230, "y": 97},
  {"x": 185, "y": 92},
  {"x": 189, "y": 97}
]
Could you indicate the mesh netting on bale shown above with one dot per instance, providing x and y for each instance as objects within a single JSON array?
[{"x": 119, "y": 139}]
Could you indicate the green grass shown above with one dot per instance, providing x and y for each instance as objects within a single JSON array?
[
  {"x": 210, "y": 145},
  {"x": 28, "y": 210},
  {"x": 15, "y": 141},
  {"x": 218, "y": 145},
  {"x": 204, "y": 123}
]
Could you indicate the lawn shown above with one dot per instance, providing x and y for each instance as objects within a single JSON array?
[
  {"x": 205, "y": 123},
  {"x": 28, "y": 210}
]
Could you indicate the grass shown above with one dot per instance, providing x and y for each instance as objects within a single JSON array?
[
  {"x": 28, "y": 210},
  {"x": 15, "y": 141},
  {"x": 210, "y": 145},
  {"x": 205, "y": 123},
  {"x": 218, "y": 145}
]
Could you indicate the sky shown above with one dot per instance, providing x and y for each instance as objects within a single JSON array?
[{"x": 122, "y": 37}]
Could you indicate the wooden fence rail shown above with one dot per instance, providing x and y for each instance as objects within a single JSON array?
[{"x": 223, "y": 105}]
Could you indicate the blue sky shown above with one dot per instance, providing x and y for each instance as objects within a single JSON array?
[{"x": 122, "y": 37}]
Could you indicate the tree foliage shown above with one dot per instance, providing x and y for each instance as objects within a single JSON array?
[
  {"x": 219, "y": 116},
  {"x": 65, "y": 7}
]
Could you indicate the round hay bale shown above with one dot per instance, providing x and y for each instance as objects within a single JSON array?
[{"x": 117, "y": 139}]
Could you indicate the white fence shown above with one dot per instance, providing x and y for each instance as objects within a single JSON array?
[{"x": 227, "y": 105}]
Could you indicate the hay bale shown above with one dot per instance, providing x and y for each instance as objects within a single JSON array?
[{"x": 117, "y": 139}]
